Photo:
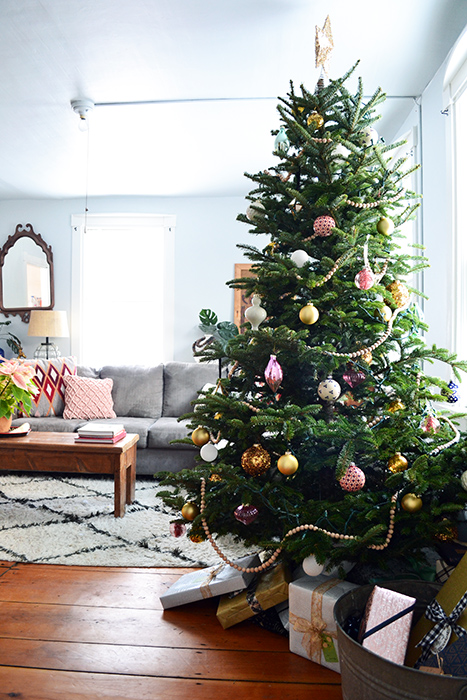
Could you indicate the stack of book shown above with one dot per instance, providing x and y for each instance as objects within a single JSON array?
[{"x": 101, "y": 432}]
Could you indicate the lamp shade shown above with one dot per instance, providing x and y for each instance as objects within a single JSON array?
[{"x": 48, "y": 324}]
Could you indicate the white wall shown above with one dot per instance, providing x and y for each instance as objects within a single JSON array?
[{"x": 205, "y": 253}]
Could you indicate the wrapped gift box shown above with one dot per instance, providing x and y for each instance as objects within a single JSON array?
[
  {"x": 312, "y": 629},
  {"x": 448, "y": 597},
  {"x": 391, "y": 640},
  {"x": 452, "y": 661},
  {"x": 265, "y": 591},
  {"x": 209, "y": 582}
]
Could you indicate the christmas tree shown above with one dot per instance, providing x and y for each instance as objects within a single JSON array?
[{"x": 324, "y": 437}]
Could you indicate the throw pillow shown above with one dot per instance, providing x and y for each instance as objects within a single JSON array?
[
  {"x": 49, "y": 380},
  {"x": 88, "y": 398}
]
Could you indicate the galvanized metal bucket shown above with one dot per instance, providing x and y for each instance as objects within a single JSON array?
[{"x": 367, "y": 676}]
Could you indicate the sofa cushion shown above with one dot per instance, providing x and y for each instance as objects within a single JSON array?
[
  {"x": 165, "y": 430},
  {"x": 137, "y": 390},
  {"x": 49, "y": 379},
  {"x": 182, "y": 382},
  {"x": 88, "y": 398}
]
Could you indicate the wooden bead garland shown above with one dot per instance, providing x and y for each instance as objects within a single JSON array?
[{"x": 294, "y": 531}]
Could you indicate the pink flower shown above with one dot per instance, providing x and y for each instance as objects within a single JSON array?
[{"x": 19, "y": 374}]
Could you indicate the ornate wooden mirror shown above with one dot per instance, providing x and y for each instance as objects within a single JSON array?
[{"x": 26, "y": 274}]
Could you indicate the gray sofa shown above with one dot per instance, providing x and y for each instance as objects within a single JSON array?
[{"x": 148, "y": 401}]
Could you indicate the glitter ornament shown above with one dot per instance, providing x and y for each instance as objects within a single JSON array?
[
  {"x": 215, "y": 477},
  {"x": 364, "y": 279},
  {"x": 311, "y": 567},
  {"x": 353, "y": 479},
  {"x": 255, "y": 460},
  {"x": 209, "y": 452},
  {"x": 281, "y": 142},
  {"x": 287, "y": 464},
  {"x": 309, "y": 314},
  {"x": 273, "y": 374},
  {"x": 411, "y": 503},
  {"x": 400, "y": 293},
  {"x": 255, "y": 314},
  {"x": 464, "y": 480},
  {"x": 190, "y": 511},
  {"x": 396, "y": 405},
  {"x": 369, "y": 136},
  {"x": 300, "y": 258},
  {"x": 200, "y": 436},
  {"x": 255, "y": 210},
  {"x": 197, "y": 539},
  {"x": 177, "y": 529},
  {"x": 397, "y": 463},
  {"x": 329, "y": 390},
  {"x": 385, "y": 226},
  {"x": 246, "y": 514},
  {"x": 431, "y": 424},
  {"x": 353, "y": 377},
  {"x": 315, "y": 120},
  {"x": 323, "y": 225}
]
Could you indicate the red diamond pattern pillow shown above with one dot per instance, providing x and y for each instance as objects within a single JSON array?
[
  {"x": 49, "y": 380},
  {"x": 88, "y": 398}
]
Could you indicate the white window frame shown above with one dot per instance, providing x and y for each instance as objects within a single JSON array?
[{"x": 79, "y": 222}]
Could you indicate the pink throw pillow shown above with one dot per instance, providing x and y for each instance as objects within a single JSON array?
[{"x": 88, "y": 398}]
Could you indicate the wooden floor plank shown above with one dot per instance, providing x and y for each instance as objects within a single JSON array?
[
  {"x": 164, "y": 662},
  {"x": 33, "y": 684}
]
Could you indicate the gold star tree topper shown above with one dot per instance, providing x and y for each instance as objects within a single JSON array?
[{"x": 323, "y": 45}]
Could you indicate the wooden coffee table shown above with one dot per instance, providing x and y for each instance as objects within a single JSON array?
[{"x": 60, "y": 452}]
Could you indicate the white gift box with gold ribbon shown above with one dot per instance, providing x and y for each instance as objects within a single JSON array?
[
  {"x": 312, "y": 629},
  {"x": 209, "y": 582}
]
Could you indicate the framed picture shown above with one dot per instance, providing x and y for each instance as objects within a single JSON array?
[{"x": 241, "y": 302}]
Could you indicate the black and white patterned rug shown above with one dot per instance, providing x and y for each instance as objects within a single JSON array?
[{"x": 69, "y": 520}]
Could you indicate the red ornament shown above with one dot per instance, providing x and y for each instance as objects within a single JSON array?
[
  {"x": 353, "y": 479},
  {"x": 246, "y": 514},
  {"x": 323, "y": 225},
  {"x": 273, "y": 374},
  {"x": 364, "y": 279},
  {"x": 177, "y": 529},
  {"x": 353, "y": 377}
]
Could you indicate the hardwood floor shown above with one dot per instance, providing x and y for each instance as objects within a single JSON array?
[{"x": 82, "y": 633}]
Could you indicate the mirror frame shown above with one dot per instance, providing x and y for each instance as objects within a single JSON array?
[{"x": 22, "y": 232}]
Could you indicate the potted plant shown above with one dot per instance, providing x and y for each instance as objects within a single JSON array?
[
  {"x": 16, "y": 390},
  {"x": 13, "y": 342}
]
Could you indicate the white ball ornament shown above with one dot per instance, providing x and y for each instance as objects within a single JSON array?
[
  {"x": 464, "y": 480},
  {"x": 255, "y": 210},
  {"x": 208, "y": 452},
  {"x": 329, "y": 390},
  {"x": 300, "y": 258},
  {"x": 341, "y": 152},
  {"x": 311, "y": 567},
  {"x": 369, "y": 136}
]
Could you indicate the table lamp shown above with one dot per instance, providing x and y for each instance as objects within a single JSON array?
[{"x": 48, "y": 324}]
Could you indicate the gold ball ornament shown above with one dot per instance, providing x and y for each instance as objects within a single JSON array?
[
  {"x": 411, "y": 503},
  {"x": 190, "y": 511},
  {"x": 397, "y": 463},
  {"x": 385, "y": 226},
  {"x": 384, "y": 313},
  {"x": 400, "y": 293},
  {"x": 200, "y": 436},
  {"x": 287, "y": 464},
  {"x": 256, "y": 460},
  {"x": 215, "y": 477},
  {"x": 197, "y": 539},
  {"x": 315, "y": 120},
  {"x": 367, "y": 357},
  {"x": 309, "y": 314},
  {"x": 396, "y": 405}
]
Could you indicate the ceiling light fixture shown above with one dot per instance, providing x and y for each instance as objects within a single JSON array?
[{"x": 82, "y": 107}]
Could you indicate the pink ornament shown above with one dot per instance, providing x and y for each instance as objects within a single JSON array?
[
  {"x": 323, "y": 225},
  {"x": 353, "y": 377},
  {"x": 177, "y": 529},
  {"x": 246, "y": 514},
  {"x": 365, "y": 279},
  {"x": 353, "y": 479},
  {"x": 431, "y": 424},
  {"x": 273, "y": 374}
]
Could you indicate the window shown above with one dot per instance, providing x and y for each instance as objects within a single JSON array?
[{"x": 122, "y": 285}]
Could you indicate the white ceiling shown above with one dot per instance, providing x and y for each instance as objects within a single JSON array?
[{"x": 216, "y": 66}]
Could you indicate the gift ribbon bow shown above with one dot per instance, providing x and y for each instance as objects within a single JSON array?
[
  {"x": 314, "y": 628},
  {"x": 443, "y": 622},
  {"x": 204, "y": 588}
]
